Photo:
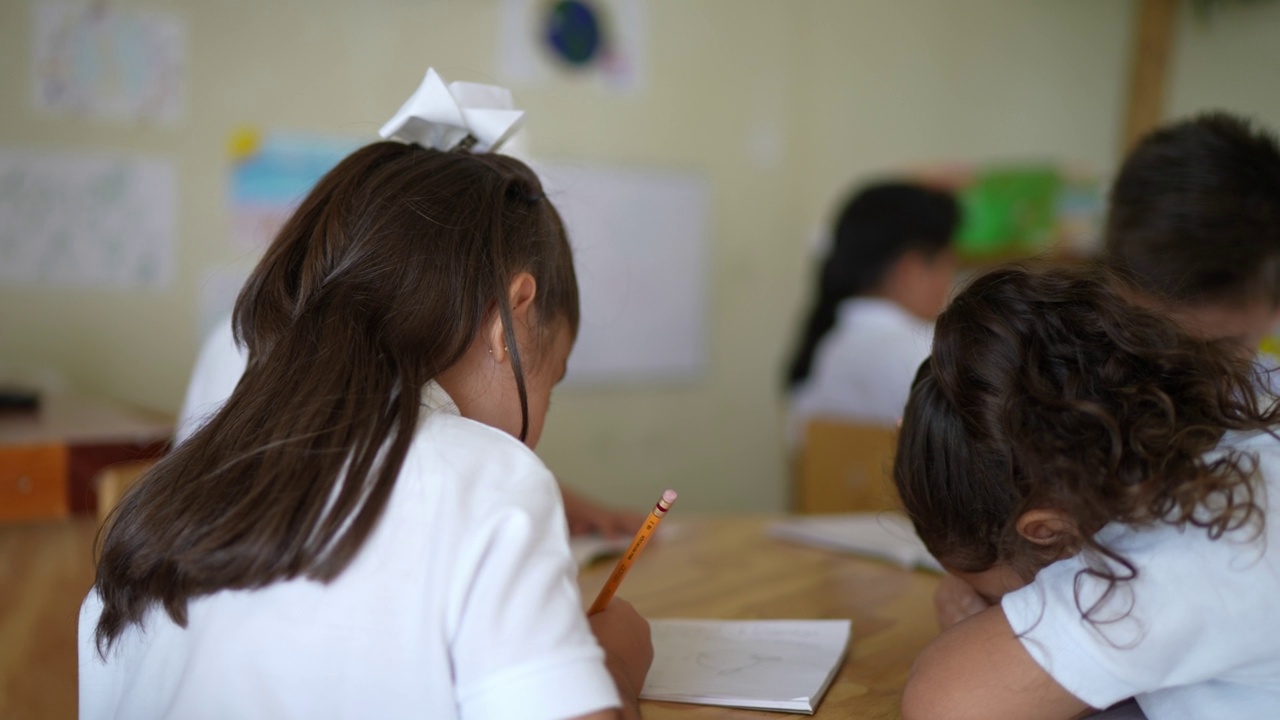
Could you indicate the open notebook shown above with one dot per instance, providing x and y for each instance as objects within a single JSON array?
[
  {"x": 759, "y": 664},
  {"x": 883, "y": 535}
]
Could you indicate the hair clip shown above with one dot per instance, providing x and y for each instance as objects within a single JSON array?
[{"x": 457, "y": 116}]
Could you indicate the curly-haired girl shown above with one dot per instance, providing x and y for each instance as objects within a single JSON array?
[{"x": 1104, "y": 483}]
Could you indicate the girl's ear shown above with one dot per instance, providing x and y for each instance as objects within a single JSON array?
[
  {"x": 1048, "y": 528},
  {"x": 520, "y": 295}
]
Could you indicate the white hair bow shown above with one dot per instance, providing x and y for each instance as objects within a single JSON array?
[{"x": 461, "y": 115}]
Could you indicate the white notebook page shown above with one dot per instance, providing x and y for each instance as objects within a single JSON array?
[{"x": 764, "y": 664}]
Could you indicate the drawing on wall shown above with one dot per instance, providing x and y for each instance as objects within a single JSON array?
[
  {"x": 603, "y": 40},
  {"x": 87, "y": 220},
  {"x": 91, "y": 60},
  {"x": 641, "y": 242},
  {"x": 270, "y": 174}
]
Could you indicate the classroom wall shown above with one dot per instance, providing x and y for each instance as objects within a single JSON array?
[{"x": 780, "y": 104}]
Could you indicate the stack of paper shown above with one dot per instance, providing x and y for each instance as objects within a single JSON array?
[
  {"x": 758, "y": 664},
  {"x": 884, "y": 535}
]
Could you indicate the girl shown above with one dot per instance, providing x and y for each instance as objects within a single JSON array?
[
  {"x": 1108, "y": 485},
  {"x": 363, "y": 530},
  {"x": 884, "y": 281}
]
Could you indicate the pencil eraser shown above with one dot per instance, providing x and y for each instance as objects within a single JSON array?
[{"x": 669, "y": 496}]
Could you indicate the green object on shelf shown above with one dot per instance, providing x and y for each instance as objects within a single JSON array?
[{"x": 1009, "y": 211}]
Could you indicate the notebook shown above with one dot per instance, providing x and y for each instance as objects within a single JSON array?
[
  {"x": 883, "y": 535},
  {"x": 756, "y": 664}
]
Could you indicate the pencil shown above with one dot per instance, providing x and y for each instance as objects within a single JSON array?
[{"x": 624, "y": 562}]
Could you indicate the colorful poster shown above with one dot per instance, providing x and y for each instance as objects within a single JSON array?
[
  {"x": 1016, "y": 210},
  {"x": 91, "y": 60},
  {"x": 270, "y": 174},
  {"x": 87, "y": 220}
]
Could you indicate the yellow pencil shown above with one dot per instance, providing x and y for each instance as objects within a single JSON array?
[{"x": 624, "y": 563}]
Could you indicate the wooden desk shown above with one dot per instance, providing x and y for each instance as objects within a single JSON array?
[
  {"x": 727, "y": 568},
  {"x": 48, "y": 458}
]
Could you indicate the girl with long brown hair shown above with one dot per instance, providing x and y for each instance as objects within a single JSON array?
[
  {"x": 1106, "y": 487},
  {"x": 363, "y": 529}
]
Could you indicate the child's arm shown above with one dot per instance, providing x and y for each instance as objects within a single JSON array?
[
  {"x": 586, "y": 517},
  {"x": 628, "y": 651},
  {"x": 979, "y": 669}
]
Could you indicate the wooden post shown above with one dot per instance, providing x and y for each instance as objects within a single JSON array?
[{"x": 1152, "y": 46}]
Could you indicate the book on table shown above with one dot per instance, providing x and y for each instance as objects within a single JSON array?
[
  {"x": 882, "y": 535},
  {"x": 784, "y": 665}
]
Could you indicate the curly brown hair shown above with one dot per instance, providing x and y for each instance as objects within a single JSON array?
[{"x": 1047, "y": 388}]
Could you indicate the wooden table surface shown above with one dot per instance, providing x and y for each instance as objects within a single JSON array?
[
  {"x": 697, "y": 567},
  {"x": 709, "y": 567}
]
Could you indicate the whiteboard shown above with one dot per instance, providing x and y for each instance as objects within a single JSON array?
[{"x": 641, "y": 240}]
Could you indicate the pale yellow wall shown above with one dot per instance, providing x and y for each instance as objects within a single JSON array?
[
  {"x": 1228, "y": 60},
  {"x": 781, "y": 103}
]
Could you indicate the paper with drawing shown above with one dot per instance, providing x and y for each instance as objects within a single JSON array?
[{"x": 763, "y": 664}]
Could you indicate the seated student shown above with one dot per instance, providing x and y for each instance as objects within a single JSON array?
[
  {"x": 221, "y": 363},
  {"x": 363, "y": 529},
  {"x": 1194, "y": 223},
  {"x": 883, "y": 282},
  {"x": 1110, "y": 486}
]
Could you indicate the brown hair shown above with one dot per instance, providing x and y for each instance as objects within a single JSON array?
[
  {"x": 380, "y": 280},
  {"x": 1195, "y": 213},
  {"x": 1048, "y": 390}
]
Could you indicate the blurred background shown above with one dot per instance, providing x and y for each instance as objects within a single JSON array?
[{"x": 698, "y": 148}]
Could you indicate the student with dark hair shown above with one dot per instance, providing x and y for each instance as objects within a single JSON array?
[
  {"x": 363, "y": 529},
  {"x": 1110, "y": 487},
  {"x": 1194, "y": 223},
  {"x": 882, "y": 283}
]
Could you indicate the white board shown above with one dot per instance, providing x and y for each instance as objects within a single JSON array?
[
  {"x": 641, "y": 240},
  {"x": 87, "y": 220}
]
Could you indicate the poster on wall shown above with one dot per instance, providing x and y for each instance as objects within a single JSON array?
[
  {"x": 93, "y": 60},
  {"x": 100, "y": 221},
  {"x": 270, "y": 173},
  {"x": 641, "y": 242},
  {"x": 600, "y": 40}
]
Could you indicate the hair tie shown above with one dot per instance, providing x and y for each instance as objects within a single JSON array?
[{"x": 460, "y": 116}]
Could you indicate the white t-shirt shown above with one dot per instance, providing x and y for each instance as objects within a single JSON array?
[
  {"x": 215, "y": 376},
  {"x": 1195, "y": 635},
  {"x": 462, "y": 603},
  {"x": 863, "y": 368}
]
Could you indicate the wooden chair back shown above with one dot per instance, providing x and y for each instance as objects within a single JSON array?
[
  {"x": 845, "y": 467},
  {"x": 114, "y": 480}
]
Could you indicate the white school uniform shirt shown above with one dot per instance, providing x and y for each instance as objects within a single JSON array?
[
  {"x": 217, "y": 372},
  {"x": 462, "y": 603},
  {"x": 862, "y": 369},
  {"x": 1195, "y": 635}
]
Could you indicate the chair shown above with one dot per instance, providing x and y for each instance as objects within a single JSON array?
[
  {"x": 115, "y": 480},
  {"x": 845, "y": 467}
]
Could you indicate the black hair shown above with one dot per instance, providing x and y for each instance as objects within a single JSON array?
[
  {"x": 878, "y": 225},
  {"x": 1195, "y": 213}
]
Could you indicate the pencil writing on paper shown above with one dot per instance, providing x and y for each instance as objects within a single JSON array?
[{"x": 641, "y": 539}]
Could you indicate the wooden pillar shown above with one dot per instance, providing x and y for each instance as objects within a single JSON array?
[{"x": 1152, "y": 47}]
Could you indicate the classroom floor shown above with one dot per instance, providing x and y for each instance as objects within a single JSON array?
[{"x": 45, "y": 570}]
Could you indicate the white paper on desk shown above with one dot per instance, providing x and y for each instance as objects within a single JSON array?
[
  {"x": 884, "y": 535},
  {"x": 586, "y": 549},
  {"x": 760, "y": 664}
]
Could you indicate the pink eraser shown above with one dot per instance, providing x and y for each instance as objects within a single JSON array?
[{"x": 669, "y": 496}]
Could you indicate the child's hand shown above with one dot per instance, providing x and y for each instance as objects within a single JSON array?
[
  {"x": 955, "y": 600},
  {"x": 628, "y": 650},
  {"x": 586, "y": 517}
]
